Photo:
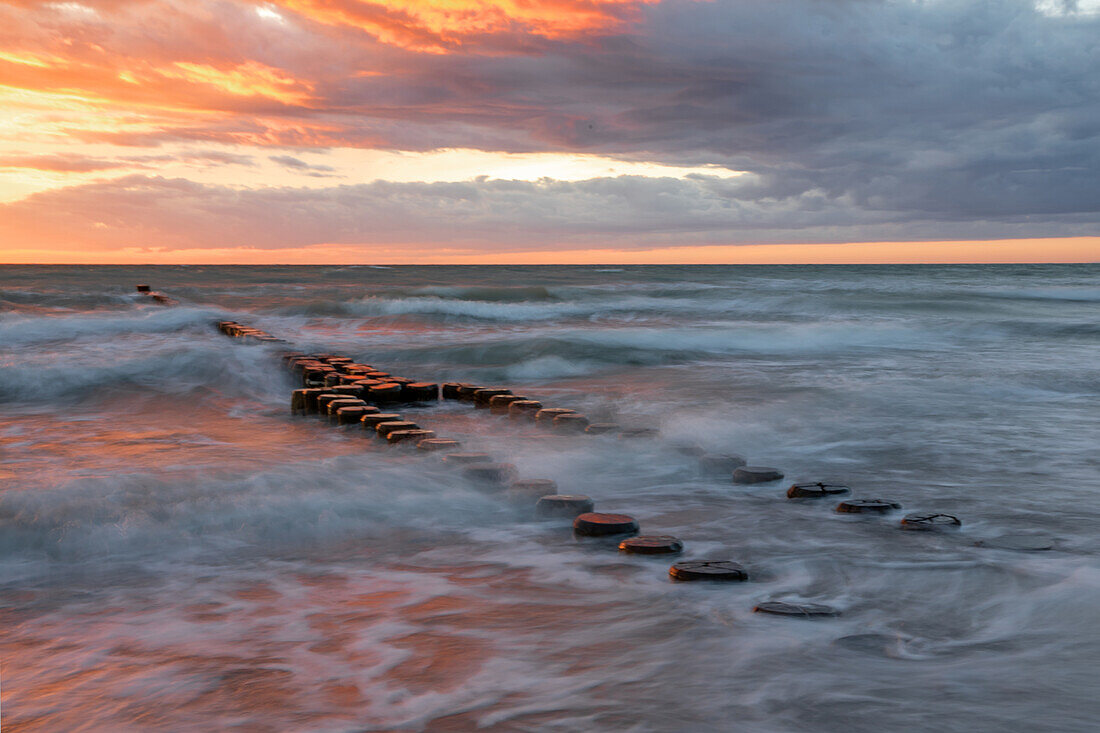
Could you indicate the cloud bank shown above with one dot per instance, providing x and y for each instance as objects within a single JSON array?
[
  {"x": 492, "y": 215},
  {"x": 853, "y": 119}
]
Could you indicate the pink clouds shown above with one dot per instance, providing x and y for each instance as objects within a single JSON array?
[
  {"x": 74, "y": 163},
  {"x": 61, "y": 163},
  {"x": 442, "y": 26},
  {"x": 855, "y": 119}
]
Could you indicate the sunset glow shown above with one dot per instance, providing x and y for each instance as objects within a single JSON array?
[
  {"x": 438, "y": 26},
  {"x": 534, "y": 130}
]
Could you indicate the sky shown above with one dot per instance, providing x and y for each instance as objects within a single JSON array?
[{"x": 546, "y": 131}]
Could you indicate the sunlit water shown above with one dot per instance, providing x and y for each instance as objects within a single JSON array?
[{"x": 178, "y": 553}]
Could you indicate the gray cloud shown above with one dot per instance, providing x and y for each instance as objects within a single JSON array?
[
  {"x": 493, "y": 215},
  {"x": 950, "y": 111},
  {"x": 856, "y": 118},
  {"x": 945, "y": 111},
  {"x": 296, "y": 164},
  {"x": 217, "y": 156}
]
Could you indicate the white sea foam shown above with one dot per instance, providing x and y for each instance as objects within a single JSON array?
[
  {"x": 30, "y": 330},
  {"x": 219, "y": 563}
]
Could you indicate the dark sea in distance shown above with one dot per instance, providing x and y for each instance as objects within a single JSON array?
[{"x": 179, "y": 553}]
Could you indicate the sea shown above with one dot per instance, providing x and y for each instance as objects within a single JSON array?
[{"x": 178, "y": 552}]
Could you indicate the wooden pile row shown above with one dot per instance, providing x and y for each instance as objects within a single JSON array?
[{"x": 348, "y": 393}]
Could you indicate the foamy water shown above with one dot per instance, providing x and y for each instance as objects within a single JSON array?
[{"x": 178, "y": 553}]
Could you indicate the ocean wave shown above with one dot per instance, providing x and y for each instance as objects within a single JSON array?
[
  {"x": 172, "y": 366},
  {"x": 27, "y": 330},
  {"x": 1067, "y": 294},
  {"x": 478, "y": 309},
  {"x": 34, "y": 301},
  {"x": 571, "y": 352},
  {"x": 490, "y": 293},
  {"x": 1052, "y": 329},
  {"x": 514, "y": 311},
  {"x": 314, "y": 308},
  {"x": 760, "y": 338},
  {"x": 551, "y": 367},
  {"x": 133, "y": 516}
]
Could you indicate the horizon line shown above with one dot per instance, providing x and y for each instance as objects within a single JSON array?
[{"x": 536, "y": 264}]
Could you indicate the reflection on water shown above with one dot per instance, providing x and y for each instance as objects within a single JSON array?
[{"x": 178, "y": 553}]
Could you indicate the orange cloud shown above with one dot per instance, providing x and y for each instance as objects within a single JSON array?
[
  {"x": 918, "y": 147},
  {"x": 60, "y": 163},
  {"x": 174, "y": 85},
  {"x": 250, "y": 79},
  {"x": 27, "y": 59},
  {"x": 441, "y": 25},
  {"x": 139, "y": 73}
]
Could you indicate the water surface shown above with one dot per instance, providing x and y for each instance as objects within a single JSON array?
[{"x": 178, "y": 553}]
